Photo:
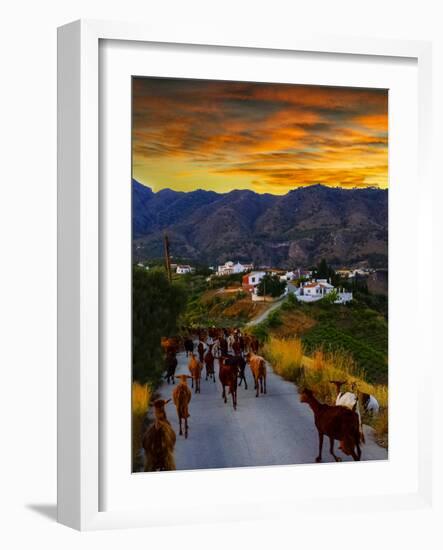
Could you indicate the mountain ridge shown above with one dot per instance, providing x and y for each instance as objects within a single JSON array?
[{"x": 344, "y": 226}]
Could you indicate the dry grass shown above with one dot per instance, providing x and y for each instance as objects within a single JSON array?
[
  {"x": 381, "y": 426},
  {"x": 244, "y": 309},
  {"x": 294, "y": 323},
  {"x": 288, "y": 359},
  {"x": 141, "y": 396}
]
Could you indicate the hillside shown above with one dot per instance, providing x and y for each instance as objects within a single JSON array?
[
  {"x": 342, "y": 226},
  {"x": 354, "y": 328}
]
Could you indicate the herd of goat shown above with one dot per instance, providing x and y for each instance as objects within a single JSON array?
[{"x": 341, "y": 422}]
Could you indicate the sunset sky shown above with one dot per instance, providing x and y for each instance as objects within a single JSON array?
[{"x": 271, "y": 138}]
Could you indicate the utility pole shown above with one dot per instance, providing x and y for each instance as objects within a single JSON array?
[{"x": 167, "y": 256}]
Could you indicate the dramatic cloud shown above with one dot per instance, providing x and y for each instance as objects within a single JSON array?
[{"x": 190, "y": 134}]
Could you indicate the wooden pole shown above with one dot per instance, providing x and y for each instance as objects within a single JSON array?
[{"x": 167, "y": 257}]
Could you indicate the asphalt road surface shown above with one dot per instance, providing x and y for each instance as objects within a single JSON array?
[{"x": 273, "y": 429}]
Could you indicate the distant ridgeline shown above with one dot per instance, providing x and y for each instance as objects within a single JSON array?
[{"x": 344, "y": 226}]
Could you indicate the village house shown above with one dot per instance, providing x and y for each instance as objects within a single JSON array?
[
  {"x": 288, "y": 276},
  {"x": 316, "y": 289},
  {"x": 230, "y": 268},
  {"x": 184, "y": 269},
  {"x": 360, "y": 272},
  {"x": 251, "y": 280},
  {"x": 344, "y": 273}
]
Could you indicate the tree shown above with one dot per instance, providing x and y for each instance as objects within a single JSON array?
[
  {"x": 156, "y": 308},
  {"x": 270, "y": 285},
  {"x": 331, "y": 297},
  {"x": 324, "y": 271}
]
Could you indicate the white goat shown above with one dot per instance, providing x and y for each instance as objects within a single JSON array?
[
  {"x": 216, "y": 348},
  {"x": 370, "y": 404},
  {"x": 349, "y": 400}
]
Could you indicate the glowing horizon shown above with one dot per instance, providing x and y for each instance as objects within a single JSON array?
[{"x": 269, "y": 138}]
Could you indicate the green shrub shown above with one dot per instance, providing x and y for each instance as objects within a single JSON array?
[{"x": 156, "y": 309}]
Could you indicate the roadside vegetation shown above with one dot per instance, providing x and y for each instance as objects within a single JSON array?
[
  {"x": 141, "y": 397},
  {"x": 157, "y": 307}
]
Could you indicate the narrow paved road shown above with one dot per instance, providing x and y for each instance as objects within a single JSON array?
[
  {"x": 269, "y": 430},
  {"x": 266, "y": 313}
]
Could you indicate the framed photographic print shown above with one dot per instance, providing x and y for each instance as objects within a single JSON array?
[{"x": 235, "y": 221}]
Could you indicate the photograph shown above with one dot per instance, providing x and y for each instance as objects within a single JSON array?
[{"x": 259, "y": 274}]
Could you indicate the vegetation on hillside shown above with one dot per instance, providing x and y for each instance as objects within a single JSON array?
[
  {"x": 270, "y": 285},
  {"x": 156, "y": 309},
  {"x": 230, "y": 307},
  {"x": 354, "y": 329}
]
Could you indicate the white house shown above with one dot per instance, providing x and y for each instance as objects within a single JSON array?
[
  {"x": 183, "y": 269},
  {"x": 251, "y": 280},
  {"x": 288, "y": 276},
  {"x": 230, "y": 268},
  {"x": 317, "y": 289}
]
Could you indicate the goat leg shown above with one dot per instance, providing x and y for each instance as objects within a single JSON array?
[
  {"x": 358, "y": 455},
  {"x": 331, "y": 450},
  {"x": 320, "y": 446},
  {"x": 224, "y": 394}
]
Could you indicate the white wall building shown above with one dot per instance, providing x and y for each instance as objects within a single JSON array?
[
  {"x": 230, "y": 268},
  {"x": 288, "y": 276},
  {"x": 183, "y": 269},
  {"x": 251, "y": 280},
  {"x": 317, "y": 289}
]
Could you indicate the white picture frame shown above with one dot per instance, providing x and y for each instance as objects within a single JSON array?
[{"x": 80, "y": 209}]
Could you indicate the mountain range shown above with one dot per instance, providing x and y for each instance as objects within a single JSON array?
[{"x": 344, "y": 226}]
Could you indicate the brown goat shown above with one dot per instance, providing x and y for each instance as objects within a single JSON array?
[
  {"x": 170, "y": 366},
  {"x": 228, "y": 377},
  {"x": 159, "y": 441},
  {"x": 182, "y": 396},
  {"x": 170, "y": 345},
  {"x": 336, "y": 422},
  {"x": 209, "y": 361},
  {"x": 201, "y": 351},
  {"x": 258, "y": 369},
  {"x": 195, "y": 368},
  {"x": 254, "y": 344}
]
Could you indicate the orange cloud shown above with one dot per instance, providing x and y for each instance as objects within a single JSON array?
[{"x": 268, "y": 137}]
